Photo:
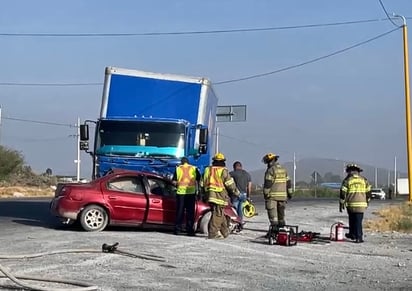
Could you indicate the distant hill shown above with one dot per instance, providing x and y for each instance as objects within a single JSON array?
[{"x": 306, "y": 167}]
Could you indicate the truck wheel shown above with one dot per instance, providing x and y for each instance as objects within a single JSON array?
[
  {"x": 204, "y": 223},
  {"x": 94, "y": 218}
]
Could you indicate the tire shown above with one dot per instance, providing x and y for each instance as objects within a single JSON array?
[
  {"x": 204, "y": 223},
  {"x": 94, "y": 218}
]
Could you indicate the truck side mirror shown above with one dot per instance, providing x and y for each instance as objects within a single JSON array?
[
  {"x": 84, "y": 132},
  {"x": 203, "y": 136}
]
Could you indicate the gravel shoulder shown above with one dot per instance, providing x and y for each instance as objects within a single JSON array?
[{"x": 243, "y": 261}]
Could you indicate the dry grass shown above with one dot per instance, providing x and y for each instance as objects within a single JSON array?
[
  {"x": 393, "y": 218},
  {"x": 22, "y": 191}
]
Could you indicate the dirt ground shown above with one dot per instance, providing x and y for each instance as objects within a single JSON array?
[
  {"x": 18, "y": 191},
  {"x": 241, "y": 262}
]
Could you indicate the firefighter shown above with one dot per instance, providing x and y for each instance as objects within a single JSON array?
[
  {"x": 217, "y": 183},
  {"x": 186, "y": 178},
  {"x": 355, "y": 194},
  {"x": 276, "y": 191}
]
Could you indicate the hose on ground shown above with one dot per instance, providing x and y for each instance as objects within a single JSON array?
[
  {"x": 82, "y": 286},
  {"x": 143, "y": 256},
  {"x": 17, "y": 280}
]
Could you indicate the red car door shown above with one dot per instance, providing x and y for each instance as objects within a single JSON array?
[
  {"x": 127, "y": 199},
  {"x": 162, "y": 202}
]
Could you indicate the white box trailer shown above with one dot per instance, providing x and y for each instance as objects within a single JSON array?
[{"x": 402, "y": 186}]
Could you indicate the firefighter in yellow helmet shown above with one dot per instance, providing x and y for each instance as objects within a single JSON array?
[
  {"x": 276, "y": 190},
  {"x": 216, "y": 184},
  {"x": 186, "y": 178},
  {"x": 354, "y": 195}
]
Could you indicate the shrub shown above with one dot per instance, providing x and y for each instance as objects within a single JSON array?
[
  {"x": 11, "y": 161},
  {"x": 393, "y": 218}
]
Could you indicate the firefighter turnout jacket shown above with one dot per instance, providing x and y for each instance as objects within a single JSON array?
[
  {"x": 355, "y": 193},
  {"x": 217, "y": 183},
  {"x": 186, "y": 177},
  {"x": 277, "y": 184}
]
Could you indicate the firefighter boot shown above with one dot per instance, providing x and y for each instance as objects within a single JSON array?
[{"x": 273, "y": 230}]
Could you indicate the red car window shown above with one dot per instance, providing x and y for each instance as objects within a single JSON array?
[
  {"x": 126, "y": 184},
  {"x": 160, "y": 187}
]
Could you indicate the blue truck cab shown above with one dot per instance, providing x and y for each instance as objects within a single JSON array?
[{"x": 149, "y": 121}]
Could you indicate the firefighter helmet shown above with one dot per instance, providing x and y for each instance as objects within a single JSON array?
[
  {"x": 219, "y": 157},
  {"x": 269, "y": 157},
  {"x": 353, "y": 167}
]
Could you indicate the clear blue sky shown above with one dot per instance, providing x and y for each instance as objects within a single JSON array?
[{"x": 349, "y": 107}]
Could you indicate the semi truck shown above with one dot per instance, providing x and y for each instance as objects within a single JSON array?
[{"x": 149, "y": 121}]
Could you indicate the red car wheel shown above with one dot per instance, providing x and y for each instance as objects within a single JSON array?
[{"x": 94, "y": 218}]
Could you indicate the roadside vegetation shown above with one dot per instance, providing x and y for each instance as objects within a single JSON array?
[
  {"x": 310, "y": 192},
  {"x": 393, "y": 218},
  {"x": 18, "y": 179}
]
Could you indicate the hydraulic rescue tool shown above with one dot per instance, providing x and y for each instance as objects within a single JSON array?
[
  {"x": 285, "y": 235},
  {"x": 288, "y": 235}
]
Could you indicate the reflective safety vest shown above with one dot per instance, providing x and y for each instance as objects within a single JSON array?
[
  {"x": 212, "y": 179},
  {"x": 186, "y": 179},
  {"x": 355, "y": 189},
  {"x": 279, "y": 176}
]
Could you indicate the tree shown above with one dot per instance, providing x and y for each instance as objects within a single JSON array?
[
  {"x": 11, "y": 161},
  {"x": 49, "y": 172},
  {"x": 332, "y": 178}
]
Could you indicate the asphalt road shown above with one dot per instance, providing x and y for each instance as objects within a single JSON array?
[
  {"x": 240, "y": 262},
  {"x": 31, "y": 212},
  {"x": 35, "y": 211}
]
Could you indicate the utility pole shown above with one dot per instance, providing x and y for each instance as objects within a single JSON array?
[
  {"x": 294, "y": 172},
  {"x": 344, "y": 169},
  {"x": 0, "y": 124},
  {"x": 407, "y": 101},
  {"x": 395, "y": 181},
  {"x": 77, "y": 161},
  {"x": 217, "y": 141},
  {"x": 376, "y": 177},
  {"x": 389, "y": 179}
]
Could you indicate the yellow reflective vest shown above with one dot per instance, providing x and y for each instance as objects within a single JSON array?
[
  {"x": 215, "y": 182},
  {"x": 186, "y": 179},
  {"x": 276, "y": 186},
  {"x": 354, "y": 191}
]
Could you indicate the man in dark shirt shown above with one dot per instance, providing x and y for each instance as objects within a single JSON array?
[{"x": 244, "y": 184}]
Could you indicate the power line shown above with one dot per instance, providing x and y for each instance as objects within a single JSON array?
[
  {"x": 309, "y": 61},
  {"x": 51, "y": 84},
  {"x": 39, "y": 122},
  {"x": 27, "y": 139},
  {"x": 193, "y": 32},
  {"x": 386, "y": 12},
  {"x": 227, "y": 81}
]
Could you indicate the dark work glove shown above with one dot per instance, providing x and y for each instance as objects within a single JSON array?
[
  {"x": 341, "y": 207},
  {"x": 289, "y": 196}
]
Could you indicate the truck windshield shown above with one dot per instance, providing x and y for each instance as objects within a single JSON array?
[{"x": 140, "y": 138}]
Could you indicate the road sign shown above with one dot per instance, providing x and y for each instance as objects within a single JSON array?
[
  {"x": 315, "y": 176},
  {"x": 231, "y": 113}
]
